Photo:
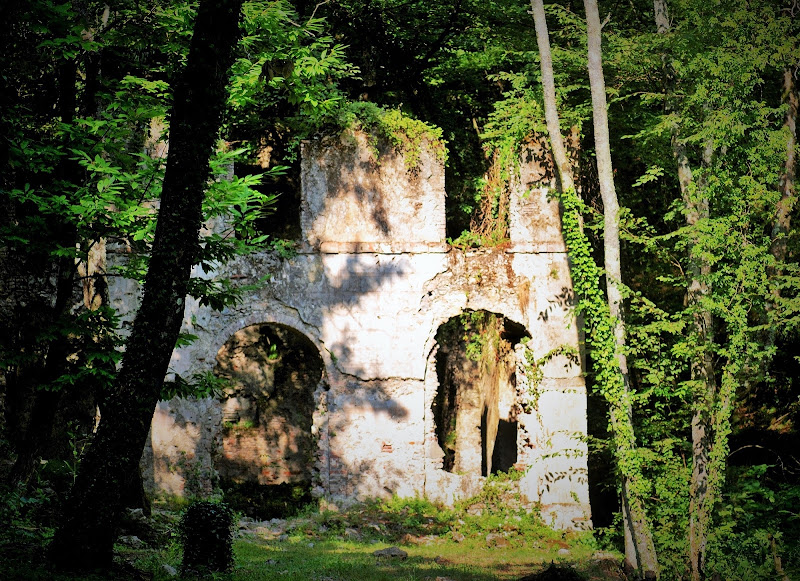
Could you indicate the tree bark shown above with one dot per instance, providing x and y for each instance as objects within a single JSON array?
[
  {"x": 640, "y": 551},
  {"x": 560, "y": 157},
  {"x": 787, "y": 182},
  {"x": 85, "y": 538},
  {"x": 705, "y": 392}
]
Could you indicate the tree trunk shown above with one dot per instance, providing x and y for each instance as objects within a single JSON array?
[
  {"x": 787, "y": 180},
  {"x": 86, "y": 536},
  {"x": 640, "y": 551},
  {"x": 560, "y": 157},
  {"x": 705, "y": 392},
  {"x": 40, "y": 427}
]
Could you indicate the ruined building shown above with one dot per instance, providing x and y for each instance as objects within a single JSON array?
[{"x": 342, "y": 368}]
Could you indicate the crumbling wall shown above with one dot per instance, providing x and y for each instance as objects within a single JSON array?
[{"x": 369, "y": 289}]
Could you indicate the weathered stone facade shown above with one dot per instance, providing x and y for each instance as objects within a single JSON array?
[{"x": 373, "y": 282}]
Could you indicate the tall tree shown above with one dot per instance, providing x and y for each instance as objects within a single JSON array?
[
  {"x": 560, "y": 157},
  {"x": 640, "y": 551},
  {"x": 696, "y": 209},
  {"x": 639, "y": 547},
  {"x": 85, "y": 537}
]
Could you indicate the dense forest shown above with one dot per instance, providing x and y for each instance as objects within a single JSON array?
[{"x": 678, "y": 189}]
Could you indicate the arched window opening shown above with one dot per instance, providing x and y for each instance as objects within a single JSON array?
[
  {"x": 266, "y": 460},
  {"x": 476, "y": 407}
]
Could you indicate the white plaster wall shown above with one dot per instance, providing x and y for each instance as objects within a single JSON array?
[{"x": 372, "y": 305}]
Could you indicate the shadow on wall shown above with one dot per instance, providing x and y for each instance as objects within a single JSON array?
[
  {"x": 329, "y": 360},
  {"x": 271, "y": 373},
  {"x": 275, "y": 416}
]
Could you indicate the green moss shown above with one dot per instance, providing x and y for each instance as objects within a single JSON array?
[{"x": 406, "y": 135}]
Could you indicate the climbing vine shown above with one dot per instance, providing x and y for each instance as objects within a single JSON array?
[
  {"x": 534, "y": 370},
  {"x": 599, "y": 325}
]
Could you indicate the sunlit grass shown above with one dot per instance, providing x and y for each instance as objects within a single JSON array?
[
  {"x": 497, "y": 543},
  {"x": 303, "y": 560}
]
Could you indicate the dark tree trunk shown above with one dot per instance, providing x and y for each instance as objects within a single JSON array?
[
  {"x": 39, "y": 429},
  {"x": 85, "y": 538}
]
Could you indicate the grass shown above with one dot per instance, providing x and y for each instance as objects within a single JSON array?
[
  {"x": 480, "y": 540},
  {"x": 441, "y": 543},
  {"x": 301, "y": 559}
]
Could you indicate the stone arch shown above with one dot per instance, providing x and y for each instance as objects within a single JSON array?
[
  {"x": 263, "y": 316},
  {"x": 472, "y": 401},
  {"x": 274, "y": 376}
]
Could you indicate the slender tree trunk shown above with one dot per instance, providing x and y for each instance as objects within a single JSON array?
[
  {"x": 85, "y": 538},
  {"x": 787, "y": 182},
  {"x": 639, "y": 548},
  {"x": 640, "y": 551},
  {"x": 560, "y": 157},
  {"x": 705, "y": 392}
]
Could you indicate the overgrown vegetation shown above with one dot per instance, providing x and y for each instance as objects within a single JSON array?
[
  {"x": 709, "y": 255},
  {"x": 206, "y": 534},
  {"x": 264, "y": 502}
]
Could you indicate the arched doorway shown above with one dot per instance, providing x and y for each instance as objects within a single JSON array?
[
  {"x": 267, "y": 454},
  {"x": 476, "y": 404}
]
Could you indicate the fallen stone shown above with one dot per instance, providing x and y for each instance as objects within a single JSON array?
[
  {"x": 169, "y": 570},
  {"x": 496, "y": 540},
  {"x": 131, "y": 541},
  {"x": 458, "y": 537},
  {"x": 352, "y": 534},
  {"x": 409, "y": 539},
  {"x": 391, "y": 553},
  {"x": 137, "y": 514},
  {"x": 604, "y": 555},
  {"x": 476, "y": 509}
]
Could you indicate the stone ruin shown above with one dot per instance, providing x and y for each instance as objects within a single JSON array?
[{"x": 343, "y": 370}]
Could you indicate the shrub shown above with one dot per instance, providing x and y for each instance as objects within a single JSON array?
[{"x": 206, "y": 532}]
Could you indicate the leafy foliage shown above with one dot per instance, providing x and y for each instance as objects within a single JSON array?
[{"x": 206, "y": 532}]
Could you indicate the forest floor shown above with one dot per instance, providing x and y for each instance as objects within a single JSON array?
[{"x": 432, "y": 545}]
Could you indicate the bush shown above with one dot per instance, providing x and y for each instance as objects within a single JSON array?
[{"x": 206, "y": 532}]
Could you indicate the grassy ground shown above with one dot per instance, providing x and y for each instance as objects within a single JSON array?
[
  {"x": 455, "y": 545},
  {"x": 305, "y": 556},
  {"x": 484, "y": 539}
]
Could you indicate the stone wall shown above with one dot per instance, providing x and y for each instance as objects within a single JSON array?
[{"x": 371, "y": 286}]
